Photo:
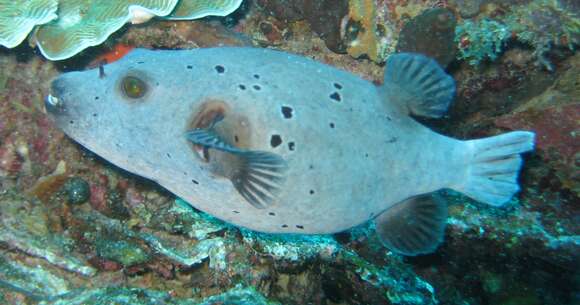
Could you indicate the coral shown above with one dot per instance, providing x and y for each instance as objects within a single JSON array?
[
  {"x": 83, "y": 23},
  {"x": 557, "y": 134},
  {"x": 401, "y": 285},
  {"x": 325, "y": 18},
  {"x": 467, "y": 8},
  {"x": 32, "y": 280},
  {"x": 362, "y": 29},
  {"x": 554, "y": 116},
  {"x": 25, "y": 226},
  {"x": 238, "y": 295},
  {"x": 11, "y": 160},
  {"x": 17, "y": 18},
  {"x": 484, "y": 39},
  {"x": 544, "y": 24},
  {"x": 431, "y": 33},
  {"x": 125, "y": 252},
  {"x": 194, "y": 9},
  {"x": 374, "y": 26},
  {"x": 293, "y": 247},
  {"x": 541, "y": 24}
]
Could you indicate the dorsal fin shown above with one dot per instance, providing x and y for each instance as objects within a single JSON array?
[
  {"x": 418, "y": 85},
  {"x": 258, "y": 174}
]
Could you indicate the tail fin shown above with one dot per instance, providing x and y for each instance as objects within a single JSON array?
[
  {"x": 418, "y": 84},
  {"x": 493, "y": 172}
]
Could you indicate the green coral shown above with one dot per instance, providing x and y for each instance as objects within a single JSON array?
[
  {"x": 194, "y": 9},
  {"x": 481, "y": 40},
  {"x": 84, "y": 23},
  {"x": 17, "y": 18}
]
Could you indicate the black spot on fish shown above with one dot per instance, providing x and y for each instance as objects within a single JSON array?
[
  {"x": 331, "y": 125},
  {"x": 237, "y": 212},
  {"x": 287, "y": 112},
  {"x": 335, "y": 96},
  {"x": 275, "y": 140},
  {"x": 257, "y": 88},
  {"x": 301, "y": 227},
  {"x": 220, "y": 69},
  {"x": 311, "y": 192},
  {"x": 94, "y": 115},
  {"x": 311, "y": 166},
  {"x": 392, "y": 140},
  {"x": 189, "y": 67},
  {"x": 96, "y": 98},
  {"x": 242, "y": 87},
  {"x": 256, "y": 76},
  {"x": 272, "y": 214},
  {"x": 291, "y": 146},
  {"x": 337, "y": 86},
  {"x": 194, "y": 181},
  {"x": 140, "y": 62},
  {"x": 71, "y": 122},
  {"x": 284, "y": 226},
  {"x": 236, "y": 138},
  {"x": 169, "y": 155},
  {"x": 366, "y": 155},
  {"x": 389, "y": 118}
]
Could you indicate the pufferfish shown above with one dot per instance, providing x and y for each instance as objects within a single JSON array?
[{"x": 280, "y": 143}]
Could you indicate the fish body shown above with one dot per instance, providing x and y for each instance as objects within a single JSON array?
[{"x": 343, "y": 149}]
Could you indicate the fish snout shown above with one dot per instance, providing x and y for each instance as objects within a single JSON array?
[{"x": 54, "y": 102}]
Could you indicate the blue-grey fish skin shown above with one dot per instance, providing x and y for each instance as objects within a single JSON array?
[{"x": 351, "y": 154}]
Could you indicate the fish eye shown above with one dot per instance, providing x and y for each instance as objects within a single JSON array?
[{"x": 133, "y": 87}]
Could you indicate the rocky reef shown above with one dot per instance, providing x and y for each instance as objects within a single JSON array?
[{"x": 74, "y": 229}]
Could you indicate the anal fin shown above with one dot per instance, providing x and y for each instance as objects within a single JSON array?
[
  {"x": 258, "y": 175},
  {"x": 414, "y": 226}
]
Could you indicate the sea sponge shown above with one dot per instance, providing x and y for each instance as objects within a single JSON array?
[{"x": 17, "y": 18}]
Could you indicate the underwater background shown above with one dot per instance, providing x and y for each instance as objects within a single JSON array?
[{"x": 75, "y": 229}]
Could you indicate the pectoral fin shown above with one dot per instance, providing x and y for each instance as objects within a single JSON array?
[
  {"x": 415, "y": 226},
  {"x": 258, "y": 175}
]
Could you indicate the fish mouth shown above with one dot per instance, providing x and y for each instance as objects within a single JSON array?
[{"x": 53, "y": 103}]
